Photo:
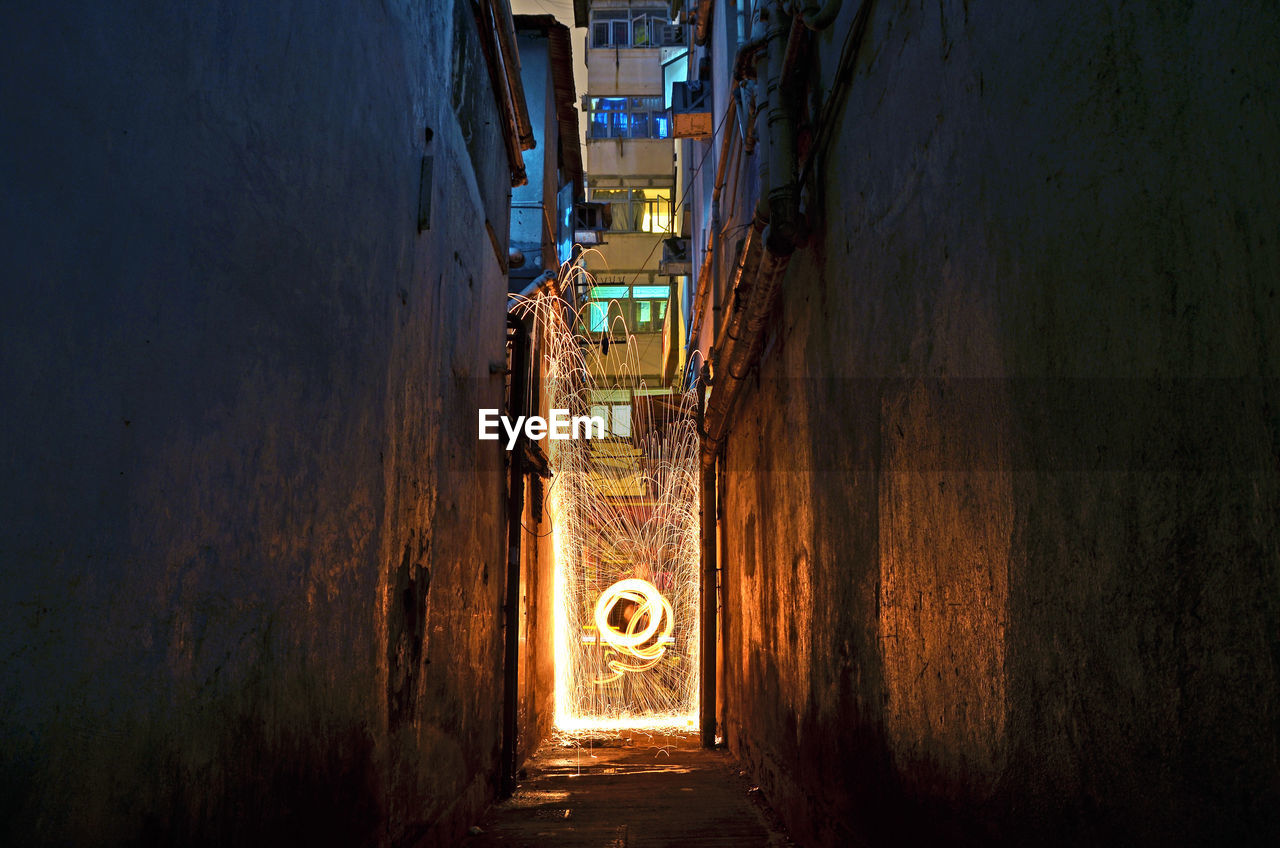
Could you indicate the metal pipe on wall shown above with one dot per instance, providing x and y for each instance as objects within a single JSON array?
[
  {"x": 707, "y": 708},
  {"x": 770, "y": 241},
  {"x": 783, "y": 208},
  {"x": 520, "y": 342},
  {"x": 511, "y": 63},
  {"x": 487, "y": 25},
  {"x": 712, "y": 236}
]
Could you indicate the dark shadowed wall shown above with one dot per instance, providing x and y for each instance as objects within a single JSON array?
[
  {"x": 251, "y": 551},
  {"x": 1000, "y": 517}
]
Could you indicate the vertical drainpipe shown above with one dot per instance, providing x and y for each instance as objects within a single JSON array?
[
  {"x": 720, "y": 541},
  {"x": 707, "y": 707},
  {"x": 515, "y": 512},
  {"x": 762, "y": 31},
  {"x": 779, "y": 204},
  {"x": 716, "y": 224}
]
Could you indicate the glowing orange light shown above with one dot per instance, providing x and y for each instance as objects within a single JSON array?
[
  {"x": 649, "y": 607},
  {"x": 624, "y": 514}
]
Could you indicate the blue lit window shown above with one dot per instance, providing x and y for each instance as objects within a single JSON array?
[{"x": 627, "y": 117}]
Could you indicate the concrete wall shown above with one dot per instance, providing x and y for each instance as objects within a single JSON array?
[
  {"x": 1001, "y": 538},
  {"x": 624, "y": 254},
  {"x": 647, "y": 157},
  {"x": 641, "y": 356},
  {"x": 631, "y": 71},
  {"x": 252, "y": 553}
]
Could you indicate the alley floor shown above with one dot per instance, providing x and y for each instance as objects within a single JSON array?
[{"x": 635, "y": 791}]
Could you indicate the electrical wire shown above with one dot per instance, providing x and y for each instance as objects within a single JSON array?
[{"x": 683, "y": 197}]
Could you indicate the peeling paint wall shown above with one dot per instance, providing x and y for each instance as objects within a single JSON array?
[
  {"x": 251, "y": 549},
  {"x": 1002, "y": 557}
]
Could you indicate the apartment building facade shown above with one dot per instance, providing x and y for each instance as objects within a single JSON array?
[{"x": 632, "y": 172}]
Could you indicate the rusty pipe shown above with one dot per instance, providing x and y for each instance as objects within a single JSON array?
[
  {"x": 486, "y": 26},
  {"x": 708, "y": 252},
  {"x": 770, "y": 241},
  {"x": 511, "y": 64},
  {"x": 520, "y": 349},
  {"x": 707, "y": 517},
  {"x": 702, "y": 31},
  {"x": 779, "y": 203}
]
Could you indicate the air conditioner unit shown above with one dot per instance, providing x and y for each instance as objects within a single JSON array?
[
  {"x": 690, "y": 109},
  {"x": 675, "y": 257}
]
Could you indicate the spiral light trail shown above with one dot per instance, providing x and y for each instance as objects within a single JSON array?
[{"x": 624, "y": 514}]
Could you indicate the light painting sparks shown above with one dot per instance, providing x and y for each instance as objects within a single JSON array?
[
  {"x": 644, "y": 611},
  {"x": 624, "y": 514}
]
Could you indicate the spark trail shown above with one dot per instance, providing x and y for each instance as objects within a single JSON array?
[{"x": 624, "y": 513}]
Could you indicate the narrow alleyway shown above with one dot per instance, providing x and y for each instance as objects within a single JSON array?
[
  {"x": 391, "y": 391},
  {"x": 636, "y": 790}
]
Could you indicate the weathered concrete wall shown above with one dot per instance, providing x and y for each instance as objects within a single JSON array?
[
  {"x": 624, "y": 254},
  {"x": 648, "y": 157},
  {"x": 1007, "y": 570},
  {"x": 251, "y": 549},
  {"x": 623, "y": 71}
]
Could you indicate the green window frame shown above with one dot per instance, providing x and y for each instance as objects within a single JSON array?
[{"x": 643, "y": 308}]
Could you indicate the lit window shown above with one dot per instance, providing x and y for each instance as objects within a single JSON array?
[
  {"x": 643, "y": 309},
  {"x": 599, "y": 315},
  {"x": 621, "y": 424},
  {"x": 627, "y": 117},
  {"x": 614, "y": 407},
  {"x": 637, "y": 210},
  {"x": 650, "y": 308}
]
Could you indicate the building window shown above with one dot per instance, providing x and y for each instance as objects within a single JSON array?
[
  {"x": 642, "y": 308},
  {"x": 627, "y": 117},
  {"x": 616, "y": 417},
  {"x": 614, "y": 407},
  {"x": 649, "y": 26},
  {"x": 650, "y": 308},
  {"x": 637, "y": 210}
]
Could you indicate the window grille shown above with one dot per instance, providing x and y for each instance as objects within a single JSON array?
[
  {"x": 627, "y": 117},
  {"x": 638, "y": 27},
  {"x": 643, "y": 308},
  {"x": 637, "y": 210}
]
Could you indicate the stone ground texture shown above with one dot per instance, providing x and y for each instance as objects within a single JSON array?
[{"x": 641, "y": 790}]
